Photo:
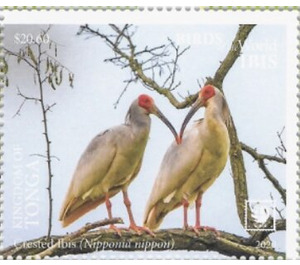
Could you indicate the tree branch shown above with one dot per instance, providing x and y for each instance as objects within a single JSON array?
[
  {"x": 130, "y": 59},
  {"x": 281, "y": 149},
  {"x": 257, "y": 156},
  {"x": 125, "y": 58},
  {"x": 46, "y": 68},
  {"x": 261, "y": 163},
  {"x": 232, "y": 55},
  {"x": 78, "y": 234},
  {"x": 236, "y": 156},
  {"x": 81, "y": 242},
  {"x": 23, "y": 58},
  {"x": 25, "y": 99},
  {"x": 280, "y": 225},
  {"x": 49, "y": 107}
]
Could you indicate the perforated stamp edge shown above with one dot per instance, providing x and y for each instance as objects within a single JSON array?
[{"x": 136, "y": 8}]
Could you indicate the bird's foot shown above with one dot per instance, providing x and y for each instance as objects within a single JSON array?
[
  {"x": 197, "y": 228},
  {"x": 140, "y": 229},
  {"x": 116, "y": 229},
  {"x": 189, "y": 228}
]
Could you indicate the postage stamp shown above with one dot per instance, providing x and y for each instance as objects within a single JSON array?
[{"x": 146, "y": 133}]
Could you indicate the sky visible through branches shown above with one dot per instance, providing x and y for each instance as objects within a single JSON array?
[{"x": 255, "y": 97}]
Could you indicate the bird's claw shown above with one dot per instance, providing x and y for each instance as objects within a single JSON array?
[
  {"x": 116, "y": 229},
  {"x": 196, "y": 229},
  {"x": 140, "y": 229},
  {"x": 208, "y": 228}
]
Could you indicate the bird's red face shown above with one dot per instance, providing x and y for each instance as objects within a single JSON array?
[
  {"x": 146, "y": 102},
  {"x": 206, "y": 93}
]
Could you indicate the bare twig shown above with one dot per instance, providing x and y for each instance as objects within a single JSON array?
[
  {"x": 281, "y": 149},
  {"x": 279, "y": 213},
  {"x": 39, "y": 155},
  {"x": 49, "y": 107},
  {"x": 257, "y": 156},
  {"x": 25, "y": 99},
  {"x": 260, "y": 160},
  {"x": 45, "y": 157},
  {"x": 48, "y": 143},
  {"x": 45, "y": 68},
  {"x": 128, "y": 58},
  {"x": 128, "y": 82},
  {"x": 18, "y": 112}
]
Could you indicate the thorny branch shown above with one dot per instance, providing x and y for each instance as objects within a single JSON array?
[{"x": 45, "y": 68}]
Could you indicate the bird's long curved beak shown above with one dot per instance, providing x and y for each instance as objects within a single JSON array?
[
  {"x": 198, "y": 104},
  {"x": 155, "y": 110}
]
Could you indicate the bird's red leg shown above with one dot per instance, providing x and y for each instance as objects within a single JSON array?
[
  {"x": 198, "y": 227},
  {"x": 133, "y": 225},
  {"x": 108, "y": 207},
  {"x": 185, "y": 205},
  {"x": 198, "y": 203}
]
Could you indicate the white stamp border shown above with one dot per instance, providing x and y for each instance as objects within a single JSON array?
[{"x": 199, "y": 15}]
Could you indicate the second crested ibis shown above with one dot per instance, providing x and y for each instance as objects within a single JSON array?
[
  {"x": 110, "y": 163},
  {"x": 188, "y": 169}
]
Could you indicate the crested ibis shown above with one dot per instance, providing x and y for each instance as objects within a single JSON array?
[
  {"x": 110, "y": 163},
  {"x": 188, "y": 169}
]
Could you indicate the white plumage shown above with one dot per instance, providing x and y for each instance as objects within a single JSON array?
[
  {"x": 110, "y": 163},
  {"x": 190, "y": 168}
]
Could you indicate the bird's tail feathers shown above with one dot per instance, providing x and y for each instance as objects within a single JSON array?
[
  {"x": 154, "y": 218},
  {"x": 78, "y": 208},
  {"x": 156, "y": 215}
]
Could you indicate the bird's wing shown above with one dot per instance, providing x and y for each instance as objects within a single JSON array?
[
  {"x": 92, "y": 167},
  {"x": 177, "y": 165},
  {"x": 135, "y": 173}
]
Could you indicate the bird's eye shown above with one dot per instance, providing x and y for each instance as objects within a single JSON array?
[{"x": 207, "y": 92}]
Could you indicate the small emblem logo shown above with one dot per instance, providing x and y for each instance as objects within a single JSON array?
[{"x": 263, "y": 213}]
